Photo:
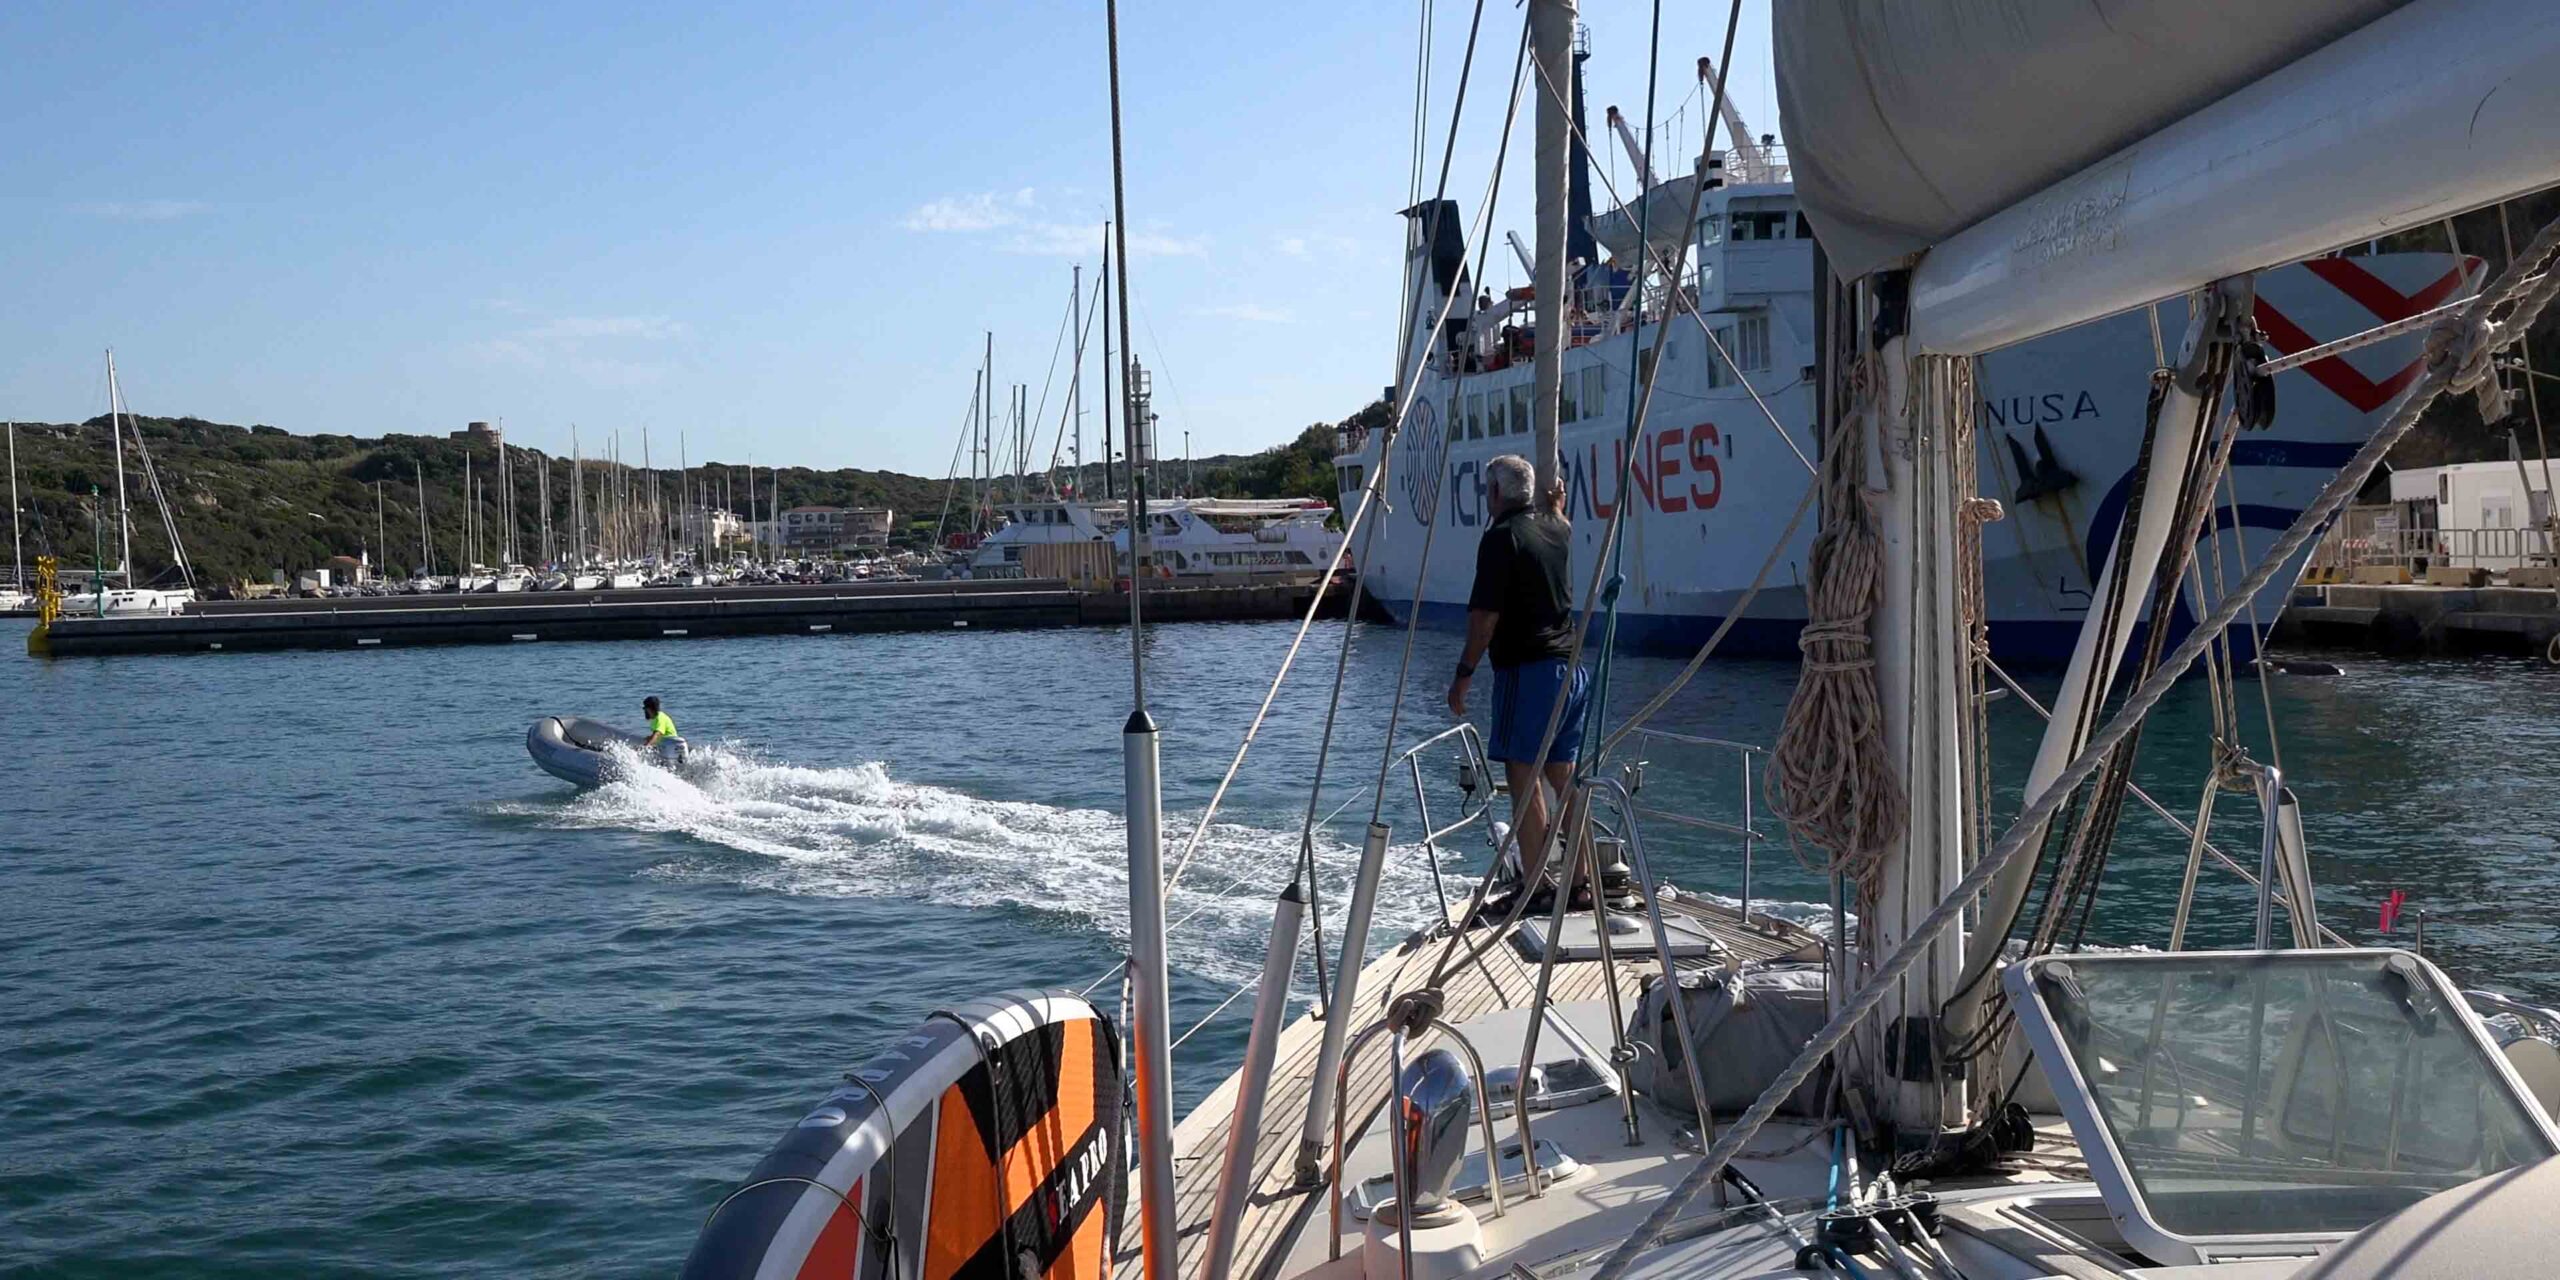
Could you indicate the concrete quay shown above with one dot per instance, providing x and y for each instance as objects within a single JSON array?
[
  {"x": 678, "y": 613},
  {"x": 2418, "y": 619}
]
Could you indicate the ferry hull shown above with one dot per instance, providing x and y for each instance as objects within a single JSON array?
[{"x": 2058, "y": 440}]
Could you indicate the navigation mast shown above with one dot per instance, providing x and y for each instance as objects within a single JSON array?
[{"x": 124, "y": 518}]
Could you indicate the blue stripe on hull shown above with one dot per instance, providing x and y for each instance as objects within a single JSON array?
[{"x": 2015, "y": 644}]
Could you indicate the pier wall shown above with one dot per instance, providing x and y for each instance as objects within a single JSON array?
[
  {"x": 2418, "y": 619},
  {"x": 680, "y": 613}
]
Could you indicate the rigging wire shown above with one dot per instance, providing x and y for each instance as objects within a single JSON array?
[
  {"x": 1370, "y": 500},
  {"x": 1429, "y": 499},
  {"x": 1451, "y": 952},
  {"x": 1409, "y": 387},
  {"x": 951, "y": 480},
  {"x": 1057, "y": 446},
  {"x": 1614, "y": 552}
]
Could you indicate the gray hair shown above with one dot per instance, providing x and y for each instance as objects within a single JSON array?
[{"x": 1510, "y": 477}]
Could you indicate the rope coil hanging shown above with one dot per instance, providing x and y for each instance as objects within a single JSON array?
[{"x": 1829, "y": 779}]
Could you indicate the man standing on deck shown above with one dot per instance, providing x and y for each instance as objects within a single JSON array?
[{"x": 1520, "y": 613}]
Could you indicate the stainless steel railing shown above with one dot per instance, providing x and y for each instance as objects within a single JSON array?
[{"x": 1746, "y": 831}]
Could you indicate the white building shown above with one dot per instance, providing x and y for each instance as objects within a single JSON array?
[
  {"x": 723, "y": 528},
  {"x": 820, "y": 528},
  {"x": 2487, "y": 515}
]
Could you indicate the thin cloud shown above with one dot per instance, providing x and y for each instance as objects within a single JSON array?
[
  {"x": 1083, "y": 240},
  {"x": 1317, "y": 244},
  {"x": 1249, "y": 312},
  {"x": 595, "y": 348},
  {"x": 142, "y": 210},
  {"x": 982, "y": 211},
  {"x": 1021, "y": 221},
  {"x": 580, "y": 328}
]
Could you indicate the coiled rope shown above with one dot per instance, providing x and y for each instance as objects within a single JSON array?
[
  {"x": 2457, "y": 359},
  {"x": 1829, "y": 779}
]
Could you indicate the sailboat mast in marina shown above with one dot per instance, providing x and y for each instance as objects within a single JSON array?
[
  {"x": 17, "y": 541},
  {"x": 124, "y": 516}
]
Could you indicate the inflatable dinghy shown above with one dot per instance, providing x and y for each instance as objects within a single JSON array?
[
  {"x": 572, "y": 748},
  {"x": 987, "y": 1144}
]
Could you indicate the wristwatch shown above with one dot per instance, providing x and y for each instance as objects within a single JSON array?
[{"x": 1466, "y": 670}]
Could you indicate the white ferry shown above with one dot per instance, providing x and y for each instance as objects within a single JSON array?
[
  {"x": 1028, "y": 523},
  {"x": 1230, "y": 540},
  {"x": 2060, "y": 420}
]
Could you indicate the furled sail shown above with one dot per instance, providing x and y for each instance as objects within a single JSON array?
[{"x": 1910, "y": 120}]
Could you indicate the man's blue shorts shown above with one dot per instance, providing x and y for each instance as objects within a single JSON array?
[{"x": 1523, "y": 697}]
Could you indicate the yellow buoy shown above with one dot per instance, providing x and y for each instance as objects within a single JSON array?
[{"x": 48, "y": 608}]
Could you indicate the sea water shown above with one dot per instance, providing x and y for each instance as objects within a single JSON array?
[{"x": 305, "y": 969}]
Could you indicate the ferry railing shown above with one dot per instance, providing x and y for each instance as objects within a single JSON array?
[
  {"x": 2360, "y": 542},
  {"x": 1748, "y": 756}
]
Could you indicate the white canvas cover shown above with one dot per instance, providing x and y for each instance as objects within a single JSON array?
[{"x": 1910, "y": 120}]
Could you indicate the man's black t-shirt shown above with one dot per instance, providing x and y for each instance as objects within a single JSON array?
[{"x": 1520, "y": 575}]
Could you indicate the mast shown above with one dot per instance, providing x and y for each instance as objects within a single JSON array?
[
  {"x": 1551, "y": 46},
  {"x": 981, "y": 520},
  {"x": 542, "y": 499},
  {"x": 115, "y": 428},
  {"x": 577, "y": 503},
  {"x": 506, "y": 502},
  {"x": 1149, "y": 1004},
  {"x": 381, "y": 531},
  {"x": 1108, "y": 491},
  {"x": 17, "y": 543},
  {"x": 470, "y": 535},
  {"x": 1075, "y": 377}
]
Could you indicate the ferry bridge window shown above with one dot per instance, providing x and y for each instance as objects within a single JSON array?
[
  {"x": 1568, "y": 402},
  {"x": 1804, "y": 229},
  {"x": 1520, "y": 419},
  {"x": 1760, "y": 225},
  {"x": 1595, "y": 390},
  {"x": 1719, "y": 373},
  {"x": 1711, "y": 231},
  {"x": 1474, "y": 427}
]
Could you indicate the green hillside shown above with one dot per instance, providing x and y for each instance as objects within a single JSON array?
[{"x": 251, "y": 500}]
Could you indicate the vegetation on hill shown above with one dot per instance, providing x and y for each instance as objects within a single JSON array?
[{"x": 249, "y": 501}]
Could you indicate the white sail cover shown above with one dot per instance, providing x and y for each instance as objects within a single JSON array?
[{"x": 1910, "y": 120}]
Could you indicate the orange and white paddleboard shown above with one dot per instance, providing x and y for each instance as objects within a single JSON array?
[{"x": 986, "y": 1146}]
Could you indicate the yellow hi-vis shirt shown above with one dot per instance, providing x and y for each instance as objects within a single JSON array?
[{"x": 662, "y": 725}]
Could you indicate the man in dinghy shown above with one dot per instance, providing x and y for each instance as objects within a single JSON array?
[
  {"x": 662, "y": 732},
  {"x": 1520, "y": 614}
]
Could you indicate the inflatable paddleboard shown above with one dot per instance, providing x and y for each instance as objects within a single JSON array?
[
  {"x": 986, "y": 1146},
  {"x": 572, "y": 748}
]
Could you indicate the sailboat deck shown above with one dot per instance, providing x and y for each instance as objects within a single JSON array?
[{"x": 1278, "y": 1209}]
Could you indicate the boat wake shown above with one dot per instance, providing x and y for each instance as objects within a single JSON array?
[{"x": 859, "y": 832}]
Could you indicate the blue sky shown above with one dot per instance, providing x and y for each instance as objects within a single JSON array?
[{"x": 779, "y": 229}]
